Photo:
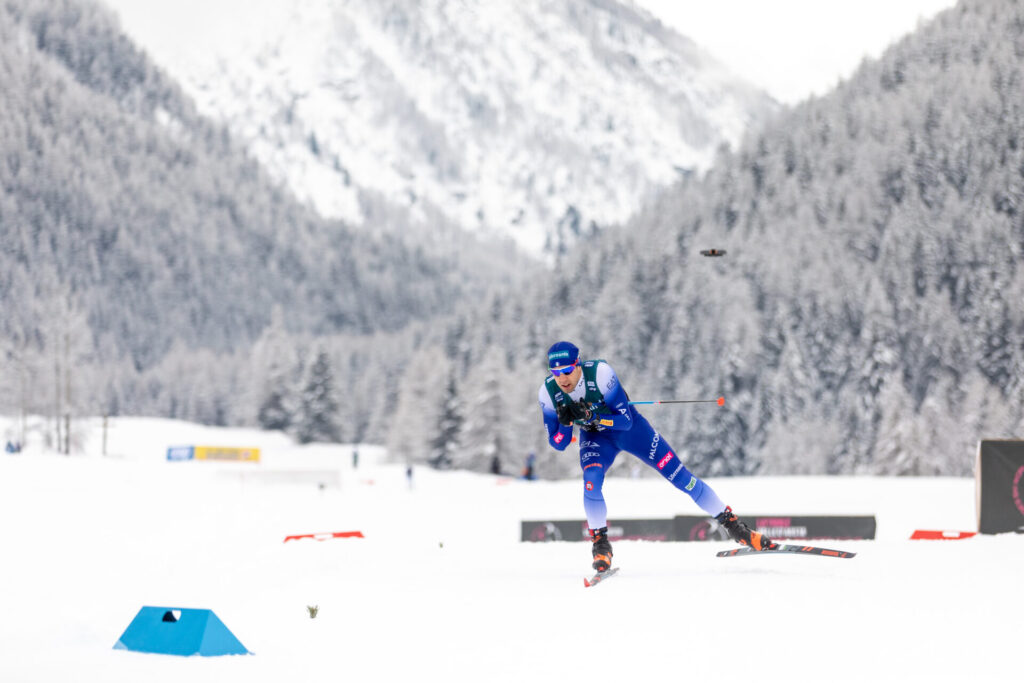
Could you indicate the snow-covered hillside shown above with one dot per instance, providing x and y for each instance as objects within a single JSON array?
[
  {"x": 441, "y": 588},
  {"x": 531, "y": 119}
]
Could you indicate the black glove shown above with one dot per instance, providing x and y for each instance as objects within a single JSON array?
[
  {"x": 571, "y": 412},
  {"x": 584, "y": 413},
  {"x": 565, "y": 414}
]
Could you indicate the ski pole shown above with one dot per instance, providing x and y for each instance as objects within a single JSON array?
[{"x": 720, "y": 401}]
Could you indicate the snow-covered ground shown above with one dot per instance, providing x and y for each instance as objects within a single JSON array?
[{"x": 442, "y": 589}]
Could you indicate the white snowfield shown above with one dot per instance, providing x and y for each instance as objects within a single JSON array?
[{"x": 441, "y": 588}]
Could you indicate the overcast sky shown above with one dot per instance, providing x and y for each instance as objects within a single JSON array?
[
  {"x": 794, "y": 48},
  {"x": 791, "y": 48}
]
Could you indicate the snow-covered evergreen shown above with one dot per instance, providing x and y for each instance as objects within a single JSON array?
[
  {"x": 274, "y": 358},
  {"x": 318, "y": 404}
]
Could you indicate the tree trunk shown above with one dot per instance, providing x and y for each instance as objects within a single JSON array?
[
  {"x": 56, "y": 401},
  {"x": 67, "y": 393}
]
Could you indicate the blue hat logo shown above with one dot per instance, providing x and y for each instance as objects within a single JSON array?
[{"x": 562, "y": 353}]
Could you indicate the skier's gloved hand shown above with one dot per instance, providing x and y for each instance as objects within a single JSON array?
[
  {"x": 582, "y": 412},
  {"x": 565, "y": 414},
  {"x": 573, "y": 412}
]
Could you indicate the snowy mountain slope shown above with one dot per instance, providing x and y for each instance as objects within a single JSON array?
[
  {"x": 532, "y": 119},
  {"x": 442, "y": 578}
]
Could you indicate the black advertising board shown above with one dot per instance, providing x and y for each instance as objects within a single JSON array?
[
  {"x": 576, "y": 530},
  {"x": 690, "y": 528},
  {"x": 781, "y": 527},
  {"x": 999, "y": 483},
  {"x": 695, "y": 528}
]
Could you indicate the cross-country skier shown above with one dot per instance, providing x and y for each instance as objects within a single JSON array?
[{"x": 588, "y": 395}]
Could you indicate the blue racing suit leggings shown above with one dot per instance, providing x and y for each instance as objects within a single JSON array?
[{"x": 598, "y": 450}]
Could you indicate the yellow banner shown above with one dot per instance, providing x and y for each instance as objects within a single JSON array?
[{"x": 227, "y": 453}]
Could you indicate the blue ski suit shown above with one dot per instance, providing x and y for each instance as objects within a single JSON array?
[{"x": 617, "y": 427}]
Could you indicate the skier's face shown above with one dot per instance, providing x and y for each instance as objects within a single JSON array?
[{"x": 568, "y": 382}]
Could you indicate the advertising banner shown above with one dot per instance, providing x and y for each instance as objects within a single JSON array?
[
  {"x": 227, "y": 453},
  {"x": 999, "y": 482},
  {"x": 178, "y": 453},
  {"x": 182, "y": 453},
  {"x": 698, "y": 528},
  {"x": 783, "y": 527},
  {"x": 618, "y": 530}
]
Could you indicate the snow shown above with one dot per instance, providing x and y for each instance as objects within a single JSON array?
[{"x": 441, "y": 588}]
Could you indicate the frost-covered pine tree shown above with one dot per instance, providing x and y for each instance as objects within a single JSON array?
[
  {"x": 481, "y": 437},
  {"x": 444, "y": 444},
  {"x": 273, "y": 411},
  {"x": 417, "y": 409},
  {"x": 318, "y": 406},
  {"x": 275, "y": 362}
]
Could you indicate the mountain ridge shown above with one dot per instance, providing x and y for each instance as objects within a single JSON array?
[
  {"x": 539, "y": 121},
  {"x": 133, "y": 227}
]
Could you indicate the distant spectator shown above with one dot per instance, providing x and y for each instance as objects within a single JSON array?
[
  {"x": 355, "y": 458},
  {"x": 408, "y": 475},
  {"x": 496, "y": 464},
  {"x": 528, "y": 473},
  {"x": 9, "y": 447}
]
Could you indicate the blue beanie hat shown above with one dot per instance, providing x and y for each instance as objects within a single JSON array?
[{"x": 562, "y": 353}]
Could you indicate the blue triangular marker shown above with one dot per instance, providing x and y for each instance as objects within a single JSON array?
[{"x": 179, "y": 631}]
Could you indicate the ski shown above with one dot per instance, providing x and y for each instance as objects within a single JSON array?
[
  {"x": 797, "y": 549},
  {"x": 599, "y": 577}
]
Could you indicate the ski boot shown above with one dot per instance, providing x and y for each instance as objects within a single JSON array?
[
  {"x": 602, "y": 549},
  {"x": 743, "y": 534}
]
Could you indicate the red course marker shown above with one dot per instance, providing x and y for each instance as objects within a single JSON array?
[
  {"x": 326, "y": 535},
  {"x": 929, "y": 535}
]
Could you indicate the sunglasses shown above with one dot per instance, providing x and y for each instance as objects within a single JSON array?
[{"x": 564, "y": 370}]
